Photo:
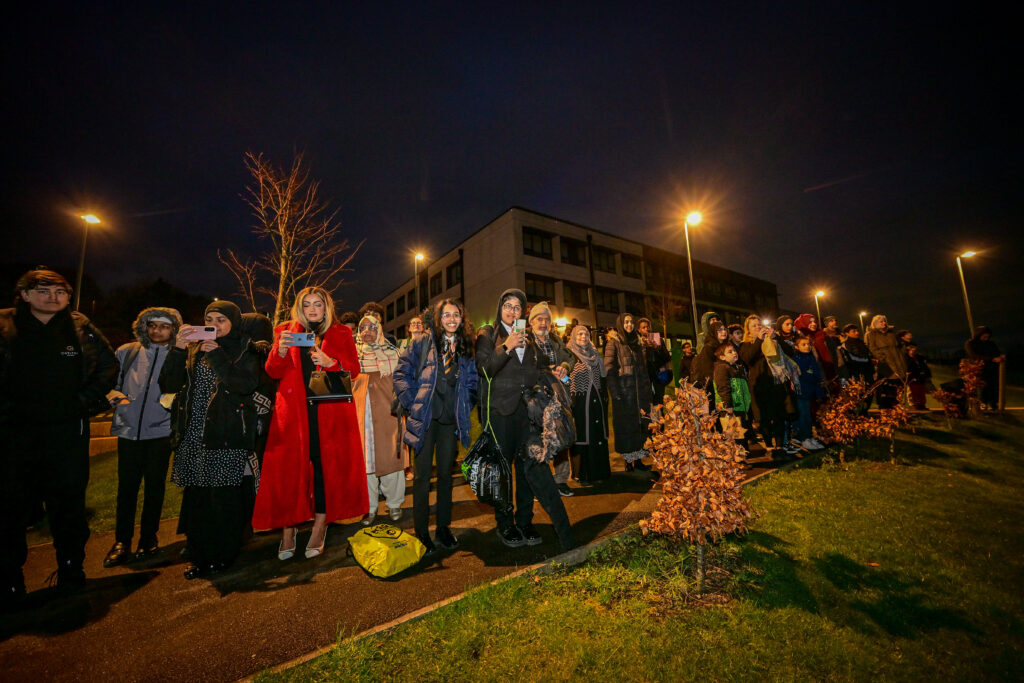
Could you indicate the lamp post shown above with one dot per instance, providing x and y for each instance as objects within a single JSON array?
[
  {"x": 963, "y": 285},
  {"x": 862, "y": 314},
  {"x": 817, "y": 306},
  {"x": 692, "y": 218},
  {"x": 89, "y": 219},
  {"x": 416, "y": 277}
]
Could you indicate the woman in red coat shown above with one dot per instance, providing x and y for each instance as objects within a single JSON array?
[{"x": 296, "y": 483}]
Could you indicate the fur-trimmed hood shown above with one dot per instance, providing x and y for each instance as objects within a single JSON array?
[{"x": 147, "y": 314}]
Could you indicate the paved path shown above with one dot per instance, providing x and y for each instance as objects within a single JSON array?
[{"x": 145, "y": 622}]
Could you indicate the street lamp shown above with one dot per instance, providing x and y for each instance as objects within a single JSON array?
[
  {"x": 89, "y": 219},
  {"x": 416, "y": 277},
  {"x": 817, "y": 295},
  {"x": 692, "y": 218},
  {"x": 862, "y": 314},
  {"x": 963, "y": 285}
]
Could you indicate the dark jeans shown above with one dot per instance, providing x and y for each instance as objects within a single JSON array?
[
  {"x": 531, "y": 477},
  {"x": 439, "y": 438},
  {"x": 141, "y": 461},
  {"x": 319, "y": 499},
  {"x": 50, "y": 463},
  {"x": 213, "y": 518},
  {"x": 804, "y": 423}
]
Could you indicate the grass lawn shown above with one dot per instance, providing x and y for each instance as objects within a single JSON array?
[{"x": 859, "y": 570}]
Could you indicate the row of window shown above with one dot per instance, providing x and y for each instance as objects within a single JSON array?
[
  {"x": 577, "y": 295},
  {"x": 574, "y": 252},
  {"x": 453, "y": 277}
]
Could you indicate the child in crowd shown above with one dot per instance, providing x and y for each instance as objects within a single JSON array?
[
  {"x": 732, "y": 393},
  {"x": 919, "y": 376},
  {"x": 811, "y": 388}
]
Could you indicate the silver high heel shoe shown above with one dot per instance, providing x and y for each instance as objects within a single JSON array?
[
  {"x": 288, "y": 554},
  {"x": 311, "y": 551}
]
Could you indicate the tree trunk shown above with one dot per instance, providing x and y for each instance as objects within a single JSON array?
[{"x": 700, "y": 567}]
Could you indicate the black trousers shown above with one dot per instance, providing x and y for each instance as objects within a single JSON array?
[
  {"x": 50, "y": 463},
  {"x": 143, "y": 461},
  {"x": 532, "y": 478},
  {"x": 439, "y": 439},
  {"x": 213, "y": 518},
  {"x": 319, "y": 499}
]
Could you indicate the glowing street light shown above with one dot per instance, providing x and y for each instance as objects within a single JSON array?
[
  {"x": 818, "y": 295},
  {"x": 963, "y": 286},
  {"x": 693, "y": 218},
  {"x": 416, "y": 276},
  {"x": 89, "y": 219},
  {"x": 862, "y": 314}
]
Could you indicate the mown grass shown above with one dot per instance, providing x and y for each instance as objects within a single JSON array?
[{"x": 867, "y": 569}]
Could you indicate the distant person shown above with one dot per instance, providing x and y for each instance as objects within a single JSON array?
[
  {"x": 890, "y": 362},
  {"x": 919, "y": 376},
  {"x": 414, "y": 328},
  {"x": 214, "y": 427},
  {"x": 350, "y": 319},
  {"x": 856, "y": 361},
  {"x": 590, "y": 452},
  {"x": 981, "y": 347},
  {"x": 785, "y": 334},
  {"x": 833, "y": 338},
  {"x": 770, "y": 384},
  {"x": 560, "y": 362},
  {"x": 812, "y": 388},
  {"x": 142, "y": 425},
  {"x": 55, "y": 371},
  {"x": 658, "y": 360},
  {"x": 685, "y": 361},
  {"x": 436, "y": 382},
  {"x": 630, "y": 389},
  {"x": 703, "y": 370},
  {"x": 705, "y": 326},
  {"x": 735, "y": 335},
  {"x": 313, "y": 466},
  {"x": 732, "y": 393},
  {"x": 374, "y": 393},
  {"x": 807, "y": 325}
]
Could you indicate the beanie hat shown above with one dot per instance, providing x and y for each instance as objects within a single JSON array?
[{"x": 539, "y": 308}]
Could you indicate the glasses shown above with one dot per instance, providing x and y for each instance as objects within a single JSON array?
[
  {"x": 367, "y": 327},
  {"x": 512, "y": 307},
  {"x": 451, "y": 316}
]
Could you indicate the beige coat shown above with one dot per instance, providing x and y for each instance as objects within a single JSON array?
[{"x": 387, "y": 437}]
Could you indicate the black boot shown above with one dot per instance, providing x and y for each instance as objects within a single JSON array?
[{"x": 118, "y": 554}]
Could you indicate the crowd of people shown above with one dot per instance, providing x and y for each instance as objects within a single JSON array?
[{"x": 225, "y": 406}]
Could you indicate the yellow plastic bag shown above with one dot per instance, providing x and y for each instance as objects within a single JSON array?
[{"x": 385, "y": 550}]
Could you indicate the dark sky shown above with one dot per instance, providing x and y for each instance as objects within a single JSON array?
[{"x": 846, "y": 146}]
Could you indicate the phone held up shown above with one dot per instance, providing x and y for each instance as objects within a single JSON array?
[
  {"x": 201, "y": 333},
  {"x": 303, "y": 339}
]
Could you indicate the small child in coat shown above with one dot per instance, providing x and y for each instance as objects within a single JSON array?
[
  {"x": 732, "y": 393},
  {"x": 811, "y": 388},
  {"x": 919, "y": 376}
]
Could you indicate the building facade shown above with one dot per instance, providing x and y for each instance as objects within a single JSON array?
[{"x": 583, "y": 273}]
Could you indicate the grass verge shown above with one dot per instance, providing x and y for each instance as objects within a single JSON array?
[{"x": 857, "y": 570}]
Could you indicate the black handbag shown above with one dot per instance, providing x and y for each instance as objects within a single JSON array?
[{"x": 329, "y": 386}]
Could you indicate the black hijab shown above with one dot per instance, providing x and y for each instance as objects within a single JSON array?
[{"x": 231, "y": 342}]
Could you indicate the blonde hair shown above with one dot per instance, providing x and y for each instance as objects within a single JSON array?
[
  {"x": 325, "y": 297},
  {"x": 747, "y": 336}
]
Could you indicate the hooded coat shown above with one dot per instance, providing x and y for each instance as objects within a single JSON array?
[
  {"x": 415, "y": 390},
  {"x": 285, "y": 497},
  {"x": 705, "y": 326},
  {"x": 703, "y": 369},
  {"x": 143, "y": 417},
  {"x": 629, "y": 386}
]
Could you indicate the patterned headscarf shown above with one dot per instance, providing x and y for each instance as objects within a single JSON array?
[{"x": 378, "y": 356}]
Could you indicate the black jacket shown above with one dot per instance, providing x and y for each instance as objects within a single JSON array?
[
  {"x": 231, "y": 415},
  {"x": 502, "y": 374},
  {"x": 99, "y": 365}
]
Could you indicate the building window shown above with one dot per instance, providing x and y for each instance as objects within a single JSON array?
[
  {"x": 391, "y": 311},
  {"x": 400, "y": 305},
  {"x": 435, "y": 284},
  {"x": 635, "y": 304},
  {"x": 574, "y": 252},
  {"x": 632, "y": 266},
  {"x": 607, "y": 300},
  {"x": 536, "y": 243},
  {"x": 604, "y": 259},
  {"x": 453, "y": 274},
  {"x": 400, "y": 332},
  {"x": 680, "y": 311},
  {"x": 575, "y": 295},
  {"x": 539, "y": 288},
  {"x": 411, "y": 298},
  {"x": 655, "y": 276},
  {"x": 714, "y": 288}
]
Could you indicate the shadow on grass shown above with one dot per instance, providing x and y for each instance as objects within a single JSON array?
[
  {"x": 890, "y": 601},
  {"x": 771, "y": 575},
  {"x": 47, "y": 613},
  {"x": 942, "y": 436}
]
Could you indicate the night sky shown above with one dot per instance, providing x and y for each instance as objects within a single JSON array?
[{"x": 851, "y": 147}]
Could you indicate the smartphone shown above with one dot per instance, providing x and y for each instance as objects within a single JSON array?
[
  {"x": 202, "y": 333},
  {"x": 656, "y": 338},
  {"x": 518, "y": 325},
  {"x": 303, "y": 338}
]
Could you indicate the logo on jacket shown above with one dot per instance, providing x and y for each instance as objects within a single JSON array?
[{"x": 69, "y": 352}]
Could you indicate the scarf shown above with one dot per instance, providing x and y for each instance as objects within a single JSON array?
[
  {"x": 377, "y": 356},
  {"x": 588, "y": 353}
]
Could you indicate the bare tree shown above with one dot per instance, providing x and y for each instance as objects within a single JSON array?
[{"x": 305, "y": 243}]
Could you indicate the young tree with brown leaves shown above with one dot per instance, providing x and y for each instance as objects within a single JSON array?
[
  {"x": 305, "y": 243},
  {"x": 701, "y": 474}
]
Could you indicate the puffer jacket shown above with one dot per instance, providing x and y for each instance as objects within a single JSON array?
[{"x": 416, "y": 392}]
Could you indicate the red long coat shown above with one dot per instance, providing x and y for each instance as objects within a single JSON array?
[{"x": 285, "y": 496}]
